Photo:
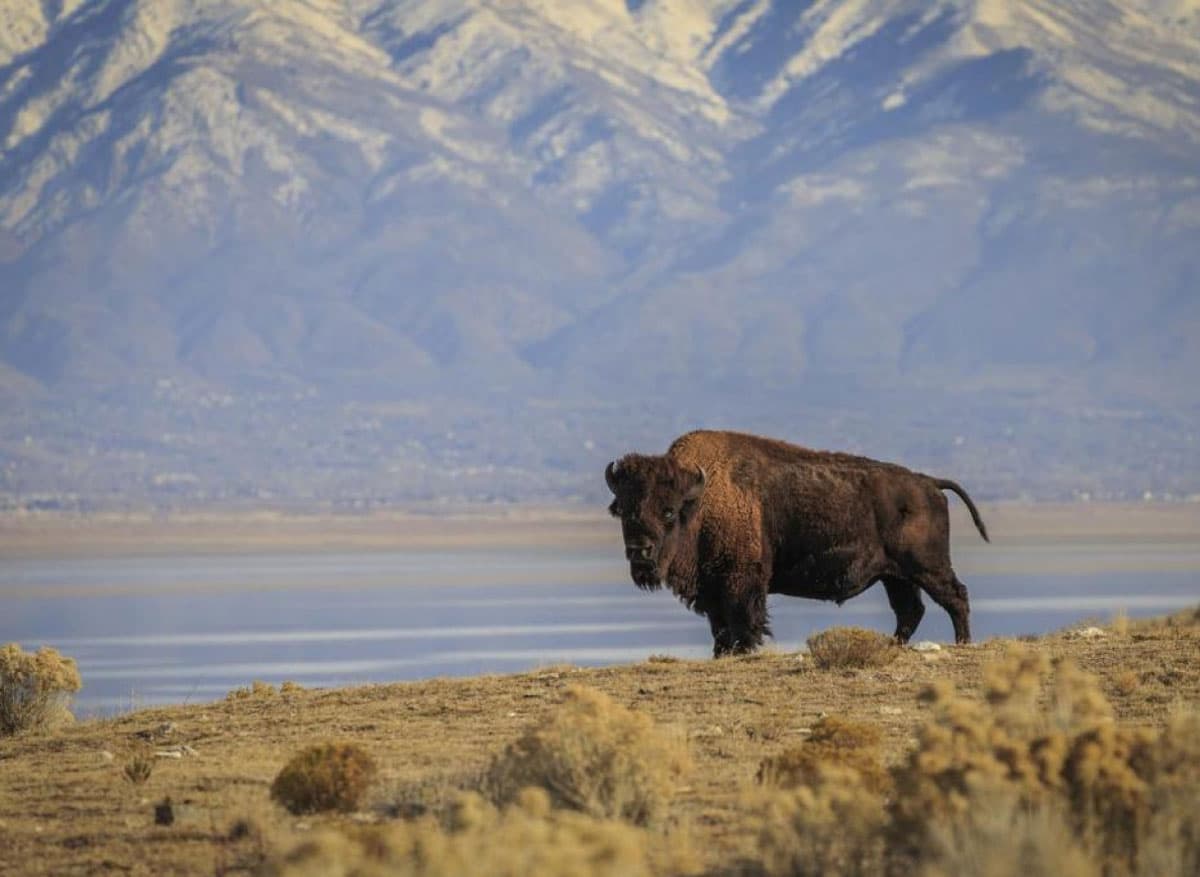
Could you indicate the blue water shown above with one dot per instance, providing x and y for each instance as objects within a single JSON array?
[{"x": 149, "y": 630}]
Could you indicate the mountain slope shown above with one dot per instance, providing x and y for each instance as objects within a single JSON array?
[{"x": 599, "y": 222}]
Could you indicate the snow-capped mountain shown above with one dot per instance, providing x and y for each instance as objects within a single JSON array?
[{"x": 733, "y": 211}]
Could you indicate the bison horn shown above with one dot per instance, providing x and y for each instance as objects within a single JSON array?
[
  {"x": 698, "y": 487},
  {"x": 610, "y": 476}
]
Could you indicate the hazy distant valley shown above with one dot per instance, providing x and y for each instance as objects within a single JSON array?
[{"x": 349, "y": 253}]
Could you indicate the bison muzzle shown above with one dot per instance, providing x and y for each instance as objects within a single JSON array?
[{"x": 724, "y": 518}]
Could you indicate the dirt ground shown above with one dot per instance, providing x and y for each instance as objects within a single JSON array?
[{"x": 65, "y": 807}]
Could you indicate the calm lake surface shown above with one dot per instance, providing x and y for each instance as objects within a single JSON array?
[{"x": 188, "y": 628}]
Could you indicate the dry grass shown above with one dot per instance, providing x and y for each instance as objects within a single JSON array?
[
  {"x": 328, "y": 776},
  {"x": 593, "y": 755},
  {"x": 35, "y": 689},
  {"x": 851, "y": 648},
  {"x": 64, "y": 808},
  {"x": 139, "y": 768}
]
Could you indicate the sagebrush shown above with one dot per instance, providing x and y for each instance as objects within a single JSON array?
[
  {"x": 1035, "y": 779},
  {"x": 327, "y": 776},
  {"x": 836, "y": 745},
  {"x": 594, "y": 755},
  {"x": 529, "y": 837},
  {"x": 851, "y": 648},
  {"x": 35, "y": 688}
]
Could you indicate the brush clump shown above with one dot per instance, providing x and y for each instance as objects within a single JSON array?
[
  {"x": 835, "y": 746},
  {"x": 328, "y": 776},
  {"x": 1043, "y": 750},
  {"x": 593, "y": 755},
  {"x": 528, "y": 837},
  {"x": 851, "y": 648},
  {"x": 35, "y": 688},
  {"x": 821, "y": 806},
  {"x": 1034, "y": 778}
]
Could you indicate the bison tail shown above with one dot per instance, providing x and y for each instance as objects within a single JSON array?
[{"x": 947, "y": 484}]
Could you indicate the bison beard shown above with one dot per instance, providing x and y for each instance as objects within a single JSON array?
[{"x": 723, "y": 519}]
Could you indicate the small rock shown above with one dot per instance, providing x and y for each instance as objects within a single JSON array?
[
  {"x": 926, "y": 645},
  {"x": 177, "y": 751},
  {"x": 890, "y": 710},
  {"x": 185, "y": 813},
  {"x": 1088, "y": 633},
  {"x": 105, "y": 755}
]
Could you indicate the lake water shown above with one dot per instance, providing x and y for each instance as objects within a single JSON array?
[{"x": 153, "y": 629}]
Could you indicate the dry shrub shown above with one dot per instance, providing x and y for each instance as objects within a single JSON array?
[
  {"x": 35, "y": 689},
  {"x": 257, "y": 690},
  {"x": 1005, "y": 839},
  {"x": 835, "y": 746},
  {"x": 1122, "y": 791},
  {"x": 1126, "y": 682},
  {"x": 1184, "y": 619},
  {"x": 851, "y": 648},
  {"x": 328, "y": 776},
  {"x": 831, "y": 824},
  {"x": 1036, "y": 778},
  {"x": 527, "y": 838},
  {"x": 594, "y": 755}
]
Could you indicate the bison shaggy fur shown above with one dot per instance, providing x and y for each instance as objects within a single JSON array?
[{"x": 723, "y": 519}]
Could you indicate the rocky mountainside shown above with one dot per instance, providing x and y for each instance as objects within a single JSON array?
[{"x": 400, "y": 249}]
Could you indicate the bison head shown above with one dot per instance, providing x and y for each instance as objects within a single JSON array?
[{"x": 655, "y": 498}]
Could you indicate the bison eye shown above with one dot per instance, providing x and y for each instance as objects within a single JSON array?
[{"x": 669, "y": 515}]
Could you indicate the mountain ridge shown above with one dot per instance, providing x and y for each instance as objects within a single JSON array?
[{"x": 675, "y": 206}]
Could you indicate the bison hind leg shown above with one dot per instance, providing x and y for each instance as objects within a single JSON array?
[
  {"x": 905, "y": 600},
  {"x": 947, "y": 591}
]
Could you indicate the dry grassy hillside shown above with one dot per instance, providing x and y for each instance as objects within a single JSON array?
[{"x": 69, "y": 802}]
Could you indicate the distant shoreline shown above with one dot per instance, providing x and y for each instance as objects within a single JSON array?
[{"x": 549, "y": 527}]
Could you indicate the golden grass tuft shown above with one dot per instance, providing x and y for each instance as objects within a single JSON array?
[
  {"x": 35, "y": 688},
  {"x": 529, "y": 837},
  {"x": 593, "y": 755},
  {"x": 851, "y": 648},
  {"x": 328, "y": 776},
  {"x": 837, "y": 746},
  {"x": 139, "y": 767}
]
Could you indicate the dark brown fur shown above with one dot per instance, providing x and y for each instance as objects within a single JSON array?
[{"x": 725, "y": 518}]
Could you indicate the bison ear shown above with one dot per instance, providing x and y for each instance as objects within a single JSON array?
[
  {"x": 699, "y": 478},
  {"x": 610, "y": 475}
]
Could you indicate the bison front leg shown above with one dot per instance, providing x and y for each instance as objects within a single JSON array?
[
  {"x": 744, "y": 610},
  {"x": 722, "y": 638}
]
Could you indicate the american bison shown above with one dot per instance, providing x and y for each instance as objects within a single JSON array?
[{"x": 725, "y": 518}]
